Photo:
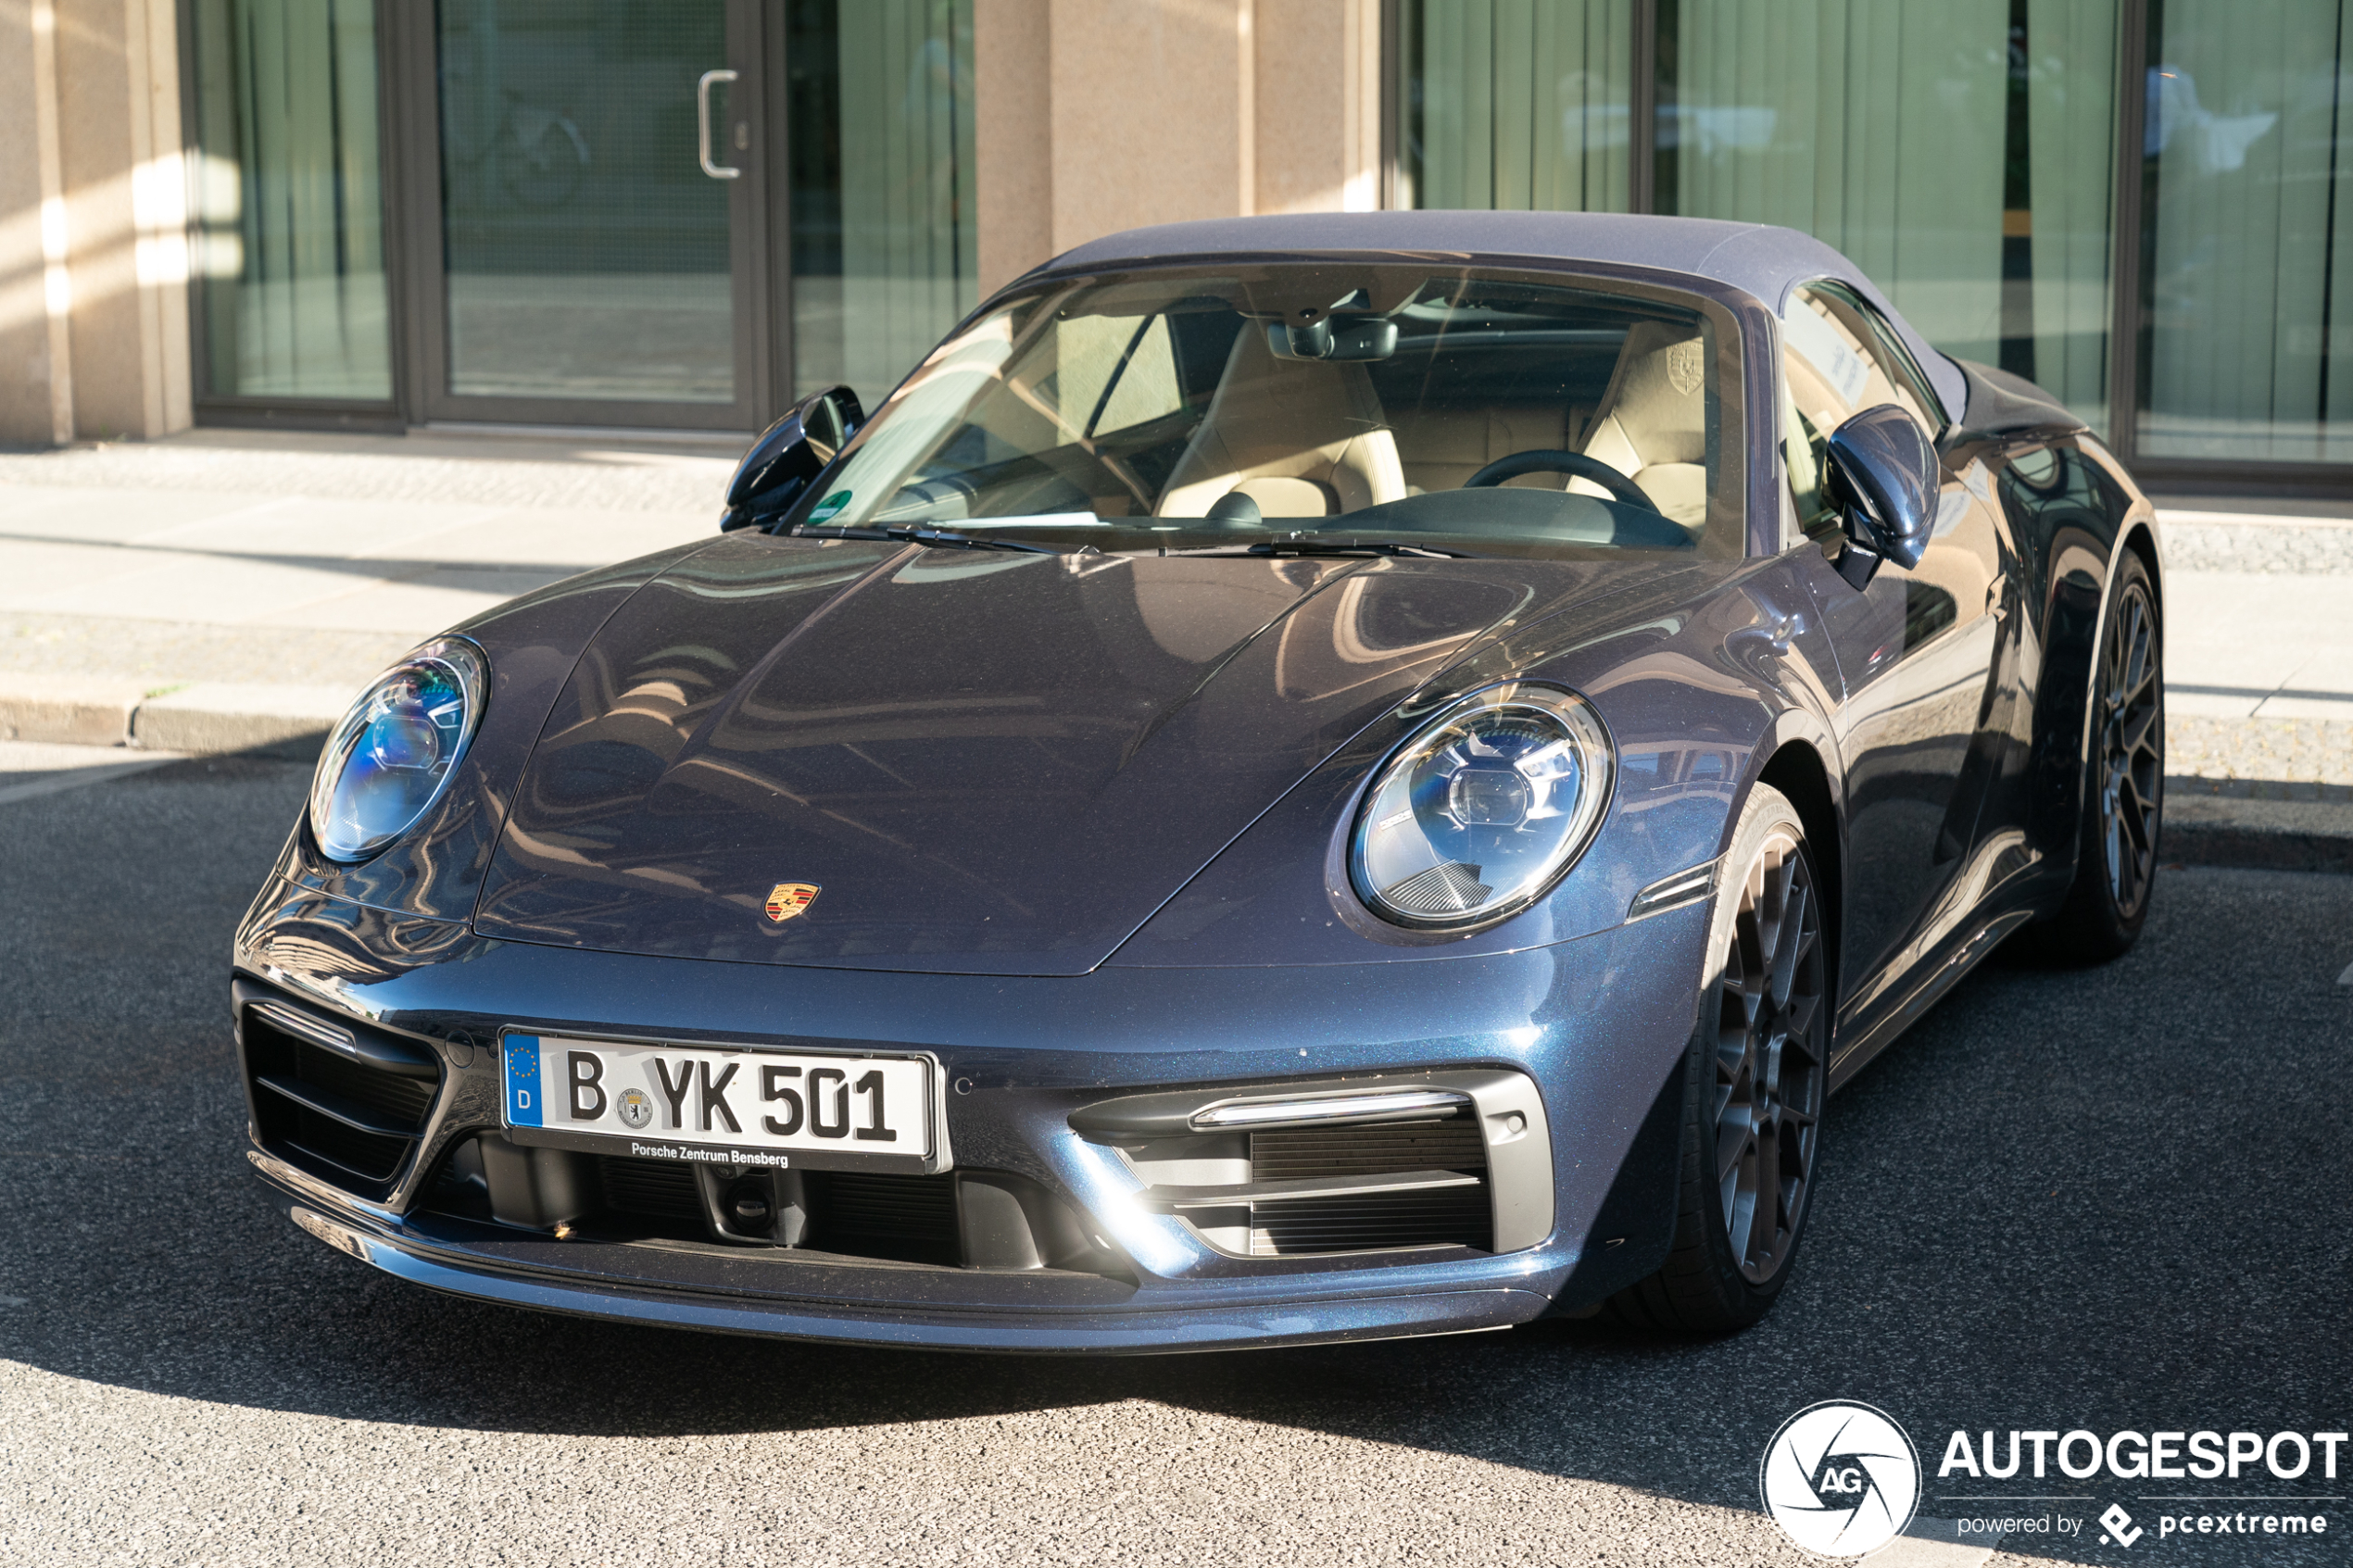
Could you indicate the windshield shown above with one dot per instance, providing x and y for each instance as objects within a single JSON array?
[{"x": 1316, "y": 403}]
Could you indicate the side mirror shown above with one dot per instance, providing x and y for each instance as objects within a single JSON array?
[
  {"x": 1883, "y": 482},
  {"x": 788, "y": 455}
]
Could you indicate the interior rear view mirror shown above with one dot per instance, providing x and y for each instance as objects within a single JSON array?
[
  {"x": 789, "y": 454},
  {"x": 1334, "y": 337},
  {"x": 1883, "y": 482}
]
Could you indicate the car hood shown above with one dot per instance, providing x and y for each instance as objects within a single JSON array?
[{"x": 984, "y": 762}]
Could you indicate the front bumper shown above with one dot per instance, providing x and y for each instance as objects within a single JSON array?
[
  {"x": 460, "y": 1271},
  {"x": 1597, "y": 1025}
]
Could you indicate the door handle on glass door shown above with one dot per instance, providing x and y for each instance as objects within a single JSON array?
[{"x": 702, "y": 125}]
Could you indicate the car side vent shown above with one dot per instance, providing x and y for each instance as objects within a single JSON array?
[
  {"x": 340, "y": 1099},
  {"x": 1461, "y": 1215}
]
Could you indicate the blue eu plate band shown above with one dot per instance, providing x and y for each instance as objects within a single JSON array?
[{"x": 523, "y": 1094}]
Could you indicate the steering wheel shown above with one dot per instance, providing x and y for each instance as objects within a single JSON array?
[{"x": 1543, "y": 461}]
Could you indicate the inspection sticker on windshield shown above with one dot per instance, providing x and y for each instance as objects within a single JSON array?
[
  {"x": 830, "y": 507},
  {"x": 717, "y": 1105}
]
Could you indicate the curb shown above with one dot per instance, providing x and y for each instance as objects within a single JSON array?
[
  {"x": 2255, "y": 849},
  {"x": 2258, "y": 826},
  {"x": 204, "y": 719}
]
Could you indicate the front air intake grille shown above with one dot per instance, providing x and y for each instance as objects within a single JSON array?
[
  {"x": 340, "y": 1099},
  {"x": 868, "y": 1214},
  {"x": 402, "y": 1101},
  {"x": 651, "y": 1189},
  {"x": 1452, "y": 1216}
]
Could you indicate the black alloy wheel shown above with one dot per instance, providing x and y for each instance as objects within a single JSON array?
[
  {"x": 2123, "y": 781},
  {"x": 1770, "y": 1066},
  {"x": 2130, "y": 745},
  {"x": 1756, "y": 1077}
]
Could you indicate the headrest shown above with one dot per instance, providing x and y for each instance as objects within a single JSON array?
[{"x": 1657, "y": 394}]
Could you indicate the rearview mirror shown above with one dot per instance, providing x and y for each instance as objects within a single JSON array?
[
  {"x": 1883, "y": 482},
  {"x": 788, "y": 455},
  {"x": 1335, "y": 337}
]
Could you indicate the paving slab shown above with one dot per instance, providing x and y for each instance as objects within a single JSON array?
[{"x": 163, "y": 652}]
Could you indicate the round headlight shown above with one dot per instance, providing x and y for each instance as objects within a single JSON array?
[
  {"x": 393, "y": 754},
  {"x": 1480, "y": 813}
]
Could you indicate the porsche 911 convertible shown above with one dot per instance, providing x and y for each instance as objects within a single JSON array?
[{"x": 1300, "y": 779}]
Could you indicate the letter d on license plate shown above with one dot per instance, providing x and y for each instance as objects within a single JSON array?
[{"x": 733, "y": 1107}]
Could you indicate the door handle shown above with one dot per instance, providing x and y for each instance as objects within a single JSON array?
[{"x": 702, "y": 125}]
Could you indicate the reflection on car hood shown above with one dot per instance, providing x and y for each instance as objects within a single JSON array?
[{"x": 985, "y": 763}]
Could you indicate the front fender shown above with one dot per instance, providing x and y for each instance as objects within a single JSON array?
[
  {"x": 435, "y": 868},
  {"x": 1696, "y": 699},
  {"x": 2073, "y": 530}
]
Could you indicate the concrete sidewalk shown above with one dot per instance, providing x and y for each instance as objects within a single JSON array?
[
  {"x": 224, "y": 590},
  {"x": 228, "y": 589}
]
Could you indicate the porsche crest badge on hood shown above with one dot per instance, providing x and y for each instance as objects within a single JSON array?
[{"x": 788, "y": 898}]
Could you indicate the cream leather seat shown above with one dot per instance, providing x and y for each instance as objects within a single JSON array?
[
  {"x": 1301, "y": 437},
  {"x": 1652, "y": 425},
  {"x": 1443, "y": 446}
]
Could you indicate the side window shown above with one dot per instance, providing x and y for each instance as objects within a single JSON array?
[
  {"x": 1837, "y": 359},
  {"x": 1111, "y": 372}
]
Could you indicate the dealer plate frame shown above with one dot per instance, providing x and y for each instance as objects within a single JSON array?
[{"x": 696, "y": 1151}]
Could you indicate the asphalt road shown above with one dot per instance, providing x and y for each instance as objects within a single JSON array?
[{"x": 2103, "y": 1199}]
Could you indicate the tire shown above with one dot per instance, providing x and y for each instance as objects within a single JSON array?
[
  {"x": 1757, "y": 1076},
  {"x": 2124, "y": 802}
]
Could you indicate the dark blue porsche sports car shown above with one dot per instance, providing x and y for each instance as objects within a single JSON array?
[{"x": 1301, "y": 779}]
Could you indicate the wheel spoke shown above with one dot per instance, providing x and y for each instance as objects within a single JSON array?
[
  {"x": 1798, "y": 1019},
  {"x": 2133, "y": 816},
  {"x": 1765, "y": 1223},
  {"x": 1787, "y": 950},
  {"x": 1733, "y": 1141}
]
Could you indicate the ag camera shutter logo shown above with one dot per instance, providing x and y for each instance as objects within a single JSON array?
[{"x": 1841, "y": 1479}]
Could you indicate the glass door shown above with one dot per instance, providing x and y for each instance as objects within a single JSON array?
[{"x": 599, "y": 208}]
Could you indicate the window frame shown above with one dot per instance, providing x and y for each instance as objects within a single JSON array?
[{"x": 1898, "y": 365}]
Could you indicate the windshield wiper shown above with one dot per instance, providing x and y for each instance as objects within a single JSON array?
[
  {"x": 1330, "y": 547},
  {"x": 915, "y": 533}
]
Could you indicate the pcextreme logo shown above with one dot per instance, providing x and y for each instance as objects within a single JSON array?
[{"x": 1841, "y": 1479}]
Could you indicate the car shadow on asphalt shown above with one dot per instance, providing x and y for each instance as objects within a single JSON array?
[{"x": 2100, "y": 1198}]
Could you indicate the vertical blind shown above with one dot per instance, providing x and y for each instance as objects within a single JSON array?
[
  {"x": 2250, "y": 281},
  {"x": 1517, "y": 103},
  {"x": 286, "y": 199},
  {"x": 1961, "y": 153},
  {"x": 1890, "y": 131},
  {"x": 908, "y": 255},
  {"x": 2068, "y": 61}
]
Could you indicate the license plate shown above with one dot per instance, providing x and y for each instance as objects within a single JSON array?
[{"x": 732, "y": 1107}]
